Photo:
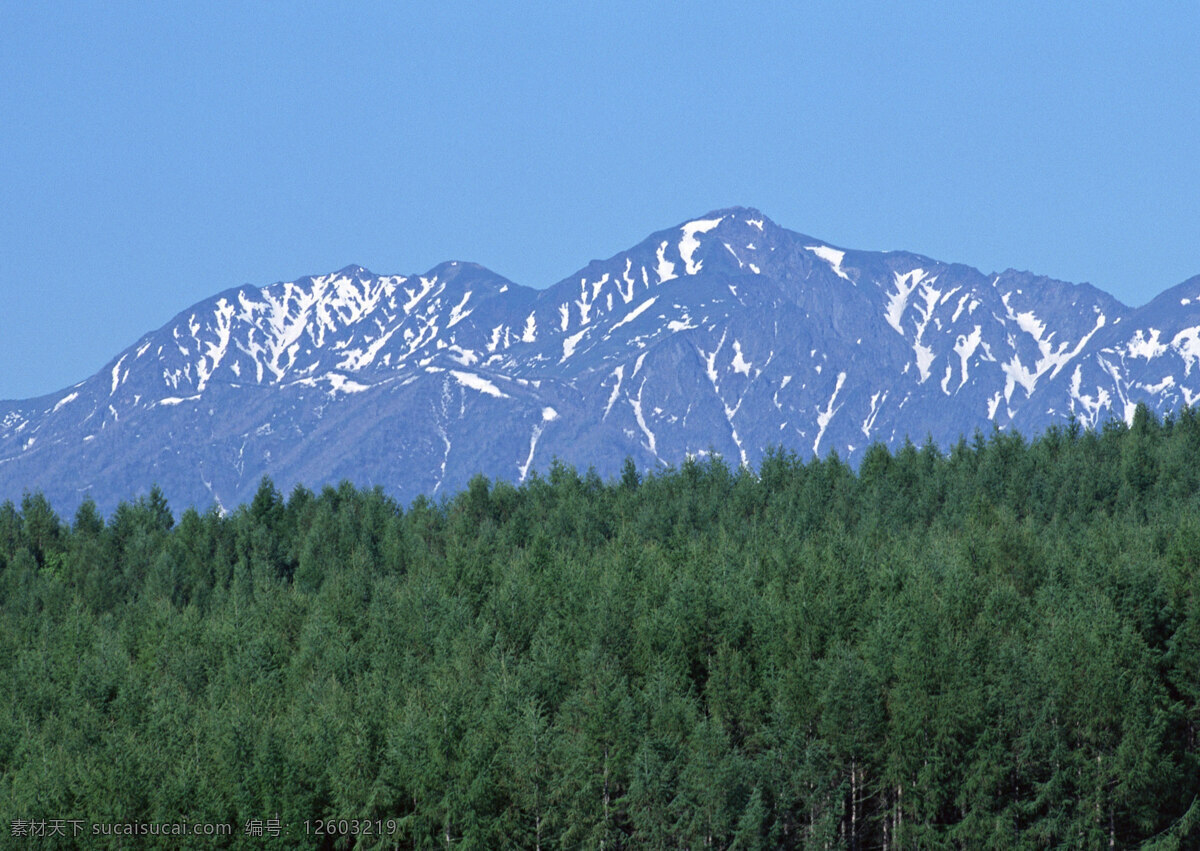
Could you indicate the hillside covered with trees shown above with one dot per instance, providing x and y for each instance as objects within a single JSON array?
[{"x": 994, "y": 647}]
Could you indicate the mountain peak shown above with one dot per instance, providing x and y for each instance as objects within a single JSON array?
[
  {"x": 737, "y": 212},
  {"x": 725, "y": 332},
  {"x": 738, "y": 218}
]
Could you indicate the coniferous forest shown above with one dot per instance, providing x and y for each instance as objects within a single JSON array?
[{"x": 995, "y": 646}]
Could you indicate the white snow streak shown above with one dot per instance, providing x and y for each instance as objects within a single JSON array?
[
  {"x": 627, "y": 293},
  {"x": 964, "y": 347},
  {"x": 877, "y": 400},
  {"x": 993, "y": 404},
  {"x": 710, "y": 360},
  {"x": 356, "y": 359},
  {"x": 635, "y": 313},
  {"x": 665, "y": 268},
  {"x": 1049, "y": 360},
  {"x": 831, "y": 256},
  {"x": 946, "y": 379},
  {"x": 958, "y": 310},
  {"x": 738, "y": 442},
  {"x": 465, "y": 357},
  {"x": 208, "y": 364},
  {"x": 1168, "y": 381},
  {"x": 1187, "y": 344},
  {"x": 116, "y": 375},
  {"x": 636, "y": 404},
  {"x": 478, "y": 382},
  {"x": 740, "y": 364},
  {"x": 619, "y": 372},
  {"x": 898, "y": 300},
  {"x": 341, "y": 384},
  {"x": 456, "y": 313},
  {"x": 570, "y": 343},
  {"x": 415, "y": 296},
  {"x": 1092, "y": 405},
  {"x": 681, "y": 324},
  {"x": 548, "y": 415},
  {"x": 585, "y": 303},
  {"x": 688, "y": 244},
  {"x": 823, "y": 417},
  {"x": 523, "y": 469}
]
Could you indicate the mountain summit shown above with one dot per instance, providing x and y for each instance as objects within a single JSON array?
[{"x": 726, "y": 333}]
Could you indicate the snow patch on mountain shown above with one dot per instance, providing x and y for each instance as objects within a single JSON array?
[
  {"x": 339, "y": 383},
  {"x": 965, "y": 347},
  {"x": 877, "y": 400},
  {"x": 1187, "y": 344},
  {"x": 831, "y": 256},
  {"x": 116, "y": 373},
  {"x": 689, "y": 243},
  {"x": 633, "y": 314},
  {"x": 1050, "y": 359},
  {"x": 618, "y": 374},
  {"x": 898, "y": 301},
  {"x": 417, "y": 294},
  {"x": 636, "y": 405},
  {"x": 457, "y": 314},
  {"x": 1143, "y": 346},
  {"x": 823, "y": 417},
  {"x": 570, "y": 343},
  {"x": 478, "y": 382},
  {"x": 740, "y": 364},
  {"x": 1167, "y": 382},
  {"x": 665, "y": 268}
]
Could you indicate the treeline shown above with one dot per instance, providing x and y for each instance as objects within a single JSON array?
[{"x": 993, "y": 647}]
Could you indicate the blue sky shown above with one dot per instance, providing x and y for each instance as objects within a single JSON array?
[{"x": 154, "y": 154}]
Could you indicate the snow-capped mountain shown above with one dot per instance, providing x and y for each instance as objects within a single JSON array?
[{"x": 725, "y": 334}]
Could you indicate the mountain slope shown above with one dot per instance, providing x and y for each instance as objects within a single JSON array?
[{"x": 727, "y": 333}]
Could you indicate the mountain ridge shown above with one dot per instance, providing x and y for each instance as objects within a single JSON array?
[{"x": 724, "y": 333}]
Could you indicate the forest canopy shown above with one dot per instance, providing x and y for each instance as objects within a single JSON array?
[{"x": 997, "y": 646}]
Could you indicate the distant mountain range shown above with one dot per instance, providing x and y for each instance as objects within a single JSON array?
[{"x": 725, "y": 334}]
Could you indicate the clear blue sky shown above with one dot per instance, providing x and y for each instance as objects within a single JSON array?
[{"x": 154, "y": 154}]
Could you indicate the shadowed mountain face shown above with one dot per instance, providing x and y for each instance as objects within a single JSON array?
[{"x": 726, "y": 334}]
